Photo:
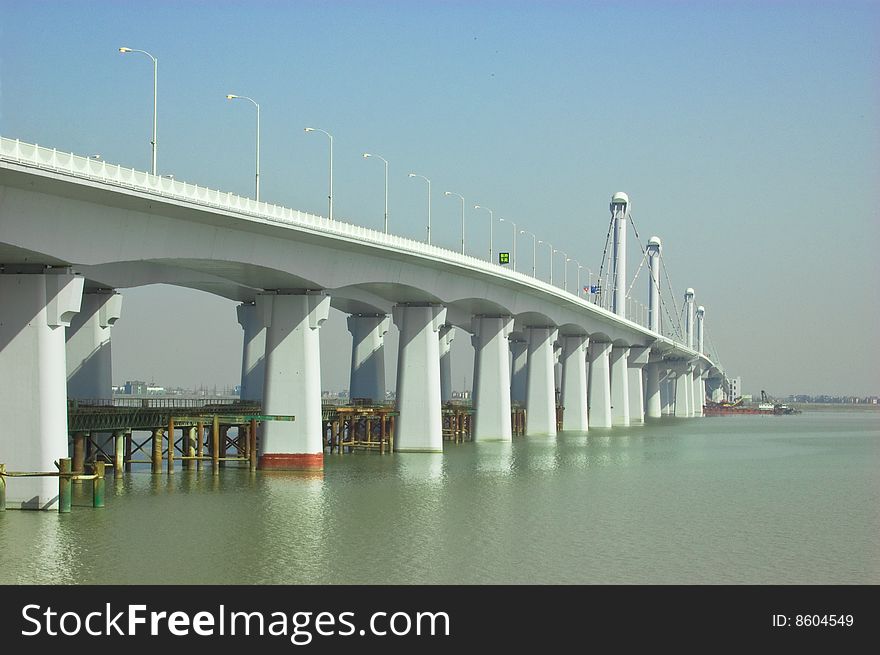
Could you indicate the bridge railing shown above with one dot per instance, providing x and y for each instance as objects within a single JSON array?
[{"x": 130, "y": 178}]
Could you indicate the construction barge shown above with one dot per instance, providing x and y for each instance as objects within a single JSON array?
[{"x": 767, "y": 406}]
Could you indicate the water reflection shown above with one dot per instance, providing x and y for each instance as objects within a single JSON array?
[
  {"x": 493, "y": 457},
  {"x": 420, "y": 468},
  {"x": 574, "y": 446},
  {"x": 606, "y": 506},
  {"x": 538, "y": 454},
  {"x": 291, "y": 544}
]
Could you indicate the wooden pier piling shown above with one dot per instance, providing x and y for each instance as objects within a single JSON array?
[
  {"x": 215, "y": 446},
  {"x": 200, "y": 446},
  {"x": 64, "y": 488},
  {"x": 252, "y": 448},
  {"x": 98, "y": 485},
  {"x": 170, "y": 445},
  {"x": 127, "y": 461},
  {"x": 79, "y": 453},
  {"x": 156, "y": 463}
]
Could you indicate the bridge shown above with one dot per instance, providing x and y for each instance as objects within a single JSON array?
[{"x": 75, "y": 230}]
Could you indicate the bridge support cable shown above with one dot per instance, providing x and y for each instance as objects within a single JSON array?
[
  {"x": 680, "y": 328},
  {"x": 714, "y": 352},
  {"x": 679, "y": 332},
  {"x": 643, "y": 249},
  {"x": 644, "y": 259},
  {"x": 636, "y": 277},
  {"x": 603, "y": 285}
]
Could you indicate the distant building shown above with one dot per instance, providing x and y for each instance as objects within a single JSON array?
[
  {"x": 735, "y": 387},
  {"x": 135, "y": 388}
]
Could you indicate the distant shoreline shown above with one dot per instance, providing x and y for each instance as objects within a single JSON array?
[{"x": 842, "y": 407}]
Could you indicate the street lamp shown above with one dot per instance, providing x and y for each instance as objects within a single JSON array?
[
  {"x": 491, "y": 225},
  {"x": 429, "y": 202},
  {"x": 564, "y": 268},
  {"x": 534, "y": 249},
  {"x": 232, "y": 96},
  {"x": 451, "y": 193},
  {"x": 155, "y": 89},
  {"x": 550, "y": 245},
  {"x": 514, "y": 240},
  {"x": 330, "y": 136},
  {"x": 367, "y": 154},
  {"x": 579, "y": 277}
]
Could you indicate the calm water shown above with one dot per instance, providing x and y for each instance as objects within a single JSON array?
[{"x": 749, "y": 499}]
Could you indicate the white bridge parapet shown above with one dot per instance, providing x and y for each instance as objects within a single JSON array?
[{"x": 98, "y": 171}]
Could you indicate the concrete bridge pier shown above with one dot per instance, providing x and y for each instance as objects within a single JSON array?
[
  {"x": 653, "y": 407},
  {"x": 292, "y": 379},
  {"x": 447, "y": 336},
  {"x": 89, "y": 361},
  {"x": 519, "y": 350},
  {"x": 683, "y": 395},
  {"x": 638, "y": 359},
  {"x": 557, "y": 366},
  {"x": 667, "y": 391},
  {"x": 88, "y": 351},
  {"x": 600, "y": 384},
  {"x": 574, "y": 383},
  {"x": 37, "y": 304},
  {"x": 253, "y": 361},
  {"x": 368, "y": 356},
  {"x": 697, "y": 394},
  {"x": 619, "y": 386},
  {"x": 492, "y": 378},
  {"x": 540, "y": 383},
  {"x": 419, "y": 427},
  {"x": 703, "y": 390}
]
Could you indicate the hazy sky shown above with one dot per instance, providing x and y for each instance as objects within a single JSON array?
[{"x": 747, "y": 135}]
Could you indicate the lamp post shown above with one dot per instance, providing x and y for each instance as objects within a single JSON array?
[
  {"x": 579, "y": 278},
  {"x": 429, "y": 202},
  {"x": 452, "y": 193},
  {"x": 330, "y": 136},
  {"x": 550, "y": 245},
  {"x": 534, "y": 249},
  {"x": 514, "y": 240},
  {"x": 564, "y": 268},
  {"x": 491, "y": 227},
  {"x": 232, "y": 96},
  {"x": 155, "y": 89},
  {"x": 366, "y": 155}
]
